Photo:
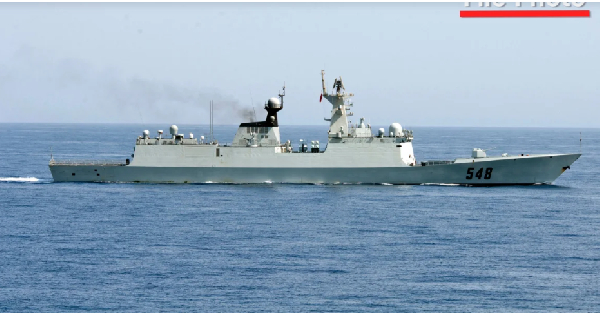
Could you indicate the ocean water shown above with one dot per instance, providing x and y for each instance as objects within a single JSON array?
[{"x": 91, "y": 247}]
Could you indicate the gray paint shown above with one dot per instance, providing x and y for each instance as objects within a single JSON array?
[
  {"x": 509, "y": 170},
  {"x": 351, "y": 156}
]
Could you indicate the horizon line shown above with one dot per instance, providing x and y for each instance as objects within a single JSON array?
[{"x": 372, "y": 124}]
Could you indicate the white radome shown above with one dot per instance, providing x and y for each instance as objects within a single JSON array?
[
  {"x": 396, "y": 129},
  {"x": 274, "y": 103}
]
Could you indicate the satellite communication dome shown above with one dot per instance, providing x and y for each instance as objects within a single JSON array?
[
  {"x": 274, "y": 103},
  {"x": 271, "y": 119},
  {"x": 396, "y": 129},
  {"x": 173, "y": 129}
]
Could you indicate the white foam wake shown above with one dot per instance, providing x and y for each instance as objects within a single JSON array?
[{"x": 19, "y": 179}]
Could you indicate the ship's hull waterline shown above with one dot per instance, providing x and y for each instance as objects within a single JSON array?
[{"x": 541, "y": 169}]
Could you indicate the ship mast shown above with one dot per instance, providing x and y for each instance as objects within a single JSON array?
[
  {"x": 211, "y": 122},
  {"x": 339, "y": 112},
  {"x": 323, "y": 81},
  {"x": 281, "y": 95}
]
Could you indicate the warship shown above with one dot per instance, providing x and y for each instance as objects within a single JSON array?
[{"x": 352, "y": 155}]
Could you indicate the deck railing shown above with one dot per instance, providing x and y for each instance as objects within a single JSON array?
[
  {"x": 436, "y": 162},
  {"x": 73, "y": 162}
]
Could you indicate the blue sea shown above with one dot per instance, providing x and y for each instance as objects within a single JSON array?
[{"x": 93, "y": 247}]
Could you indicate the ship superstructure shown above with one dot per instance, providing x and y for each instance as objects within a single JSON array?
[{"x": 353, "y": 154}]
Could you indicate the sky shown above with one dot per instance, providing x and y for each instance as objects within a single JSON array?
[{"x": 418, "y": 64}]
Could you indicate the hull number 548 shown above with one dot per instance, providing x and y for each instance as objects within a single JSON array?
[{"x": 480, "y": 173}]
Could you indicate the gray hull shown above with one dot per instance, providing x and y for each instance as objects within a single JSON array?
[{"x": 516, "y": 170}]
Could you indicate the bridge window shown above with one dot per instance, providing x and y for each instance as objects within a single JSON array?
[{"x": 257, "y": 129}]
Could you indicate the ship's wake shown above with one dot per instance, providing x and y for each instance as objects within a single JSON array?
[
  {"x": 23, "y": 180},
  {"x": 19, "y": 179}
]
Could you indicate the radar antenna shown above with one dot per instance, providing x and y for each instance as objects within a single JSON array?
[{"x": 338, "y": 85}]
